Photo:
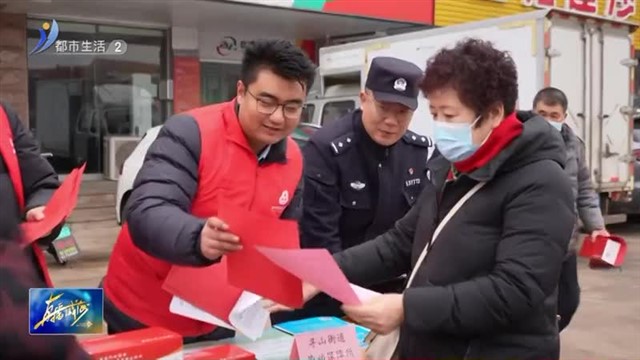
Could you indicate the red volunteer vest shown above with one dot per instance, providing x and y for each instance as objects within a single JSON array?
[
  {"x": 228, "y": 168},
  {"x": 8, "y": 153}
]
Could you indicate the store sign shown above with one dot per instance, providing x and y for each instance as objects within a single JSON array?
[
  {"x": 230, "y": 48},
  {"x": 230, "y": 45},
  {"x": 616, "y": 9}
]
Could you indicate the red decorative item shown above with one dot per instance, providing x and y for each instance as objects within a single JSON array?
[{"x": 604, "y": 251}]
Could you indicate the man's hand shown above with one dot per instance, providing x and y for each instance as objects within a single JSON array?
[
  {"x": 215, "y": 240},
  {"x": 35, "y": 214},
  {"x": 308, "y": 292},
  {"x": 597, "y": 233},
  {"x": 382, "y": 314}
]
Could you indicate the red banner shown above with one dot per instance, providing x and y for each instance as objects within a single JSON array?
[{"x": 418, "y": 11}]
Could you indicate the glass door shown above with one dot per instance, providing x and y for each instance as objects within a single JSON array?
[
  {"x": 78, "y": 101},
  {"x": 219, "y": 81},
  {"x": 126, "y": 86}
]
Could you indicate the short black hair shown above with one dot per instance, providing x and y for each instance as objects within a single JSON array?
[
  {"x": 551, "y": 96},
  {"x": 280, "y": 56}
]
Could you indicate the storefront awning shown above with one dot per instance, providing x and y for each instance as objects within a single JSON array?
[{"x": 230, "y": 17}]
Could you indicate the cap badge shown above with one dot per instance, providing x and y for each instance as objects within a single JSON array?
[{"x": 400, "y": 84}]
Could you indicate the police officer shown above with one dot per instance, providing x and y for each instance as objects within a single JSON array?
[{"x": 364, "y": 171}]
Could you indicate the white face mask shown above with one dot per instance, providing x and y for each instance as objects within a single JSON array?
[{"x": 555, "y": 124}]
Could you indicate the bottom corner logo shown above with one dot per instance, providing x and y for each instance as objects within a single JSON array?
[{"x": 66, "y": 311}]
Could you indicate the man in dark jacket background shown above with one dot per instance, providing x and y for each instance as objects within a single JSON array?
[
  {"x": 552, "y": 104},
  {"x": 363, "y": 172},
  {"x": 37, "y": 180}
]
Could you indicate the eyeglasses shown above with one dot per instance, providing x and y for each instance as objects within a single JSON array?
[{"x": 268, "y": 107}]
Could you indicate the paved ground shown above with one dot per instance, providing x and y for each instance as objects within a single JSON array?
[{"x": 606, "y": 327}]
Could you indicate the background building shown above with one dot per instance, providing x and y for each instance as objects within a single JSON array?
[
  {"x": 171, "y": 55},
  {"x": 460, "y": 11},
  {"x": 180, "y": 54}
]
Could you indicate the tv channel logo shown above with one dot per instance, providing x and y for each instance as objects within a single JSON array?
[
  {"x": 66, "y": 311},
  {"x": 48, "y": 35}
]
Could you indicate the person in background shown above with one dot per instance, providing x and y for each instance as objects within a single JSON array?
[
  {"x": 552, "y": 104},
  {"x": 18, "y": 273},
  {"x": 28, "y": 181},
  {"x": 363, "y": 172},
  {"x": 482, "y": 286},
  {"x": 237, "y": 151},
  {"x": 17, "y": 276}
]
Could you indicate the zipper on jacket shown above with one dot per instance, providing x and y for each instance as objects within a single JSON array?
[{"x": 255, "y": 184}]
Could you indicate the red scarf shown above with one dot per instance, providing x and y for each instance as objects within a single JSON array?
[{"x": 509, "y": 129}]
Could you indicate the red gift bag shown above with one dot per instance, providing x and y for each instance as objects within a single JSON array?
[{"x": 604, "y": 251}]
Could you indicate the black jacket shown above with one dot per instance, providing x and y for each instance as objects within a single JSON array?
[
  {"x": 487, "y": 289},
  {"x": 356, "y": 189},
  {"x": 39, "y": 181},
  {"x": 17, "y": 276}
]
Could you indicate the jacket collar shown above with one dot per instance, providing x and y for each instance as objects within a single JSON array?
[
  {"x": 535, "y": 141},
  {"x": 367, "y": 144}
]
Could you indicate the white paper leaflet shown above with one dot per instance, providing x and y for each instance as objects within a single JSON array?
[{"x": 248, "y": 316}]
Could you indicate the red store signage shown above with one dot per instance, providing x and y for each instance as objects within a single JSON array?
[{"x": 615, "y": 9}]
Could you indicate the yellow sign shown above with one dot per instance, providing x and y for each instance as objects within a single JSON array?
[{"x": 462, "y": 11}]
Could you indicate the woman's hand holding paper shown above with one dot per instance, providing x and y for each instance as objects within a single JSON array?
[
  {"x": 308, "y": 292},
  {"x": 382, "y": 314}
]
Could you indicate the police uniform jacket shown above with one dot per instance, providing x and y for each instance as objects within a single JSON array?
[{"x": 356, "y": 189}]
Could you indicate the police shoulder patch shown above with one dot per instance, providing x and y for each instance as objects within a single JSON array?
[
  {"x": 341, "y": 144},
  {"x": 418, "y": 140}
]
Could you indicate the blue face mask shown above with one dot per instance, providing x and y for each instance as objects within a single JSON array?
[
  {"x": 555, "y": 124},
  {"x": 454, "y": 140}
]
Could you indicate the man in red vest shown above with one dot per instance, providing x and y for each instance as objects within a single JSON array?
[
  {"x": 238, "y": 151},
  {"x": 29, "y": 180}
]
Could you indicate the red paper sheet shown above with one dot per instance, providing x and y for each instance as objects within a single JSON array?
[
  {"x": 61, "y": 204},
  {"x": 206, "y": 288},
  {"x": 317, "y": 267},
  {"x": 248, "y": 268}
]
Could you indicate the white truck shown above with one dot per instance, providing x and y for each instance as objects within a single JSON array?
[{"x": 590, "y": 59}]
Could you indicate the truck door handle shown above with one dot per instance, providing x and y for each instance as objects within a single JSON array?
[
  {"x": 580, "y": 115},
  {"x": 607, "y": 152}
]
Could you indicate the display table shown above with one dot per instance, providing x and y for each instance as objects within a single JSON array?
[{"x": 273, "y": 345}]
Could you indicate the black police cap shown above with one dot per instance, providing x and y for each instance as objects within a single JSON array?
[{"x": 394, "y": 80}]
